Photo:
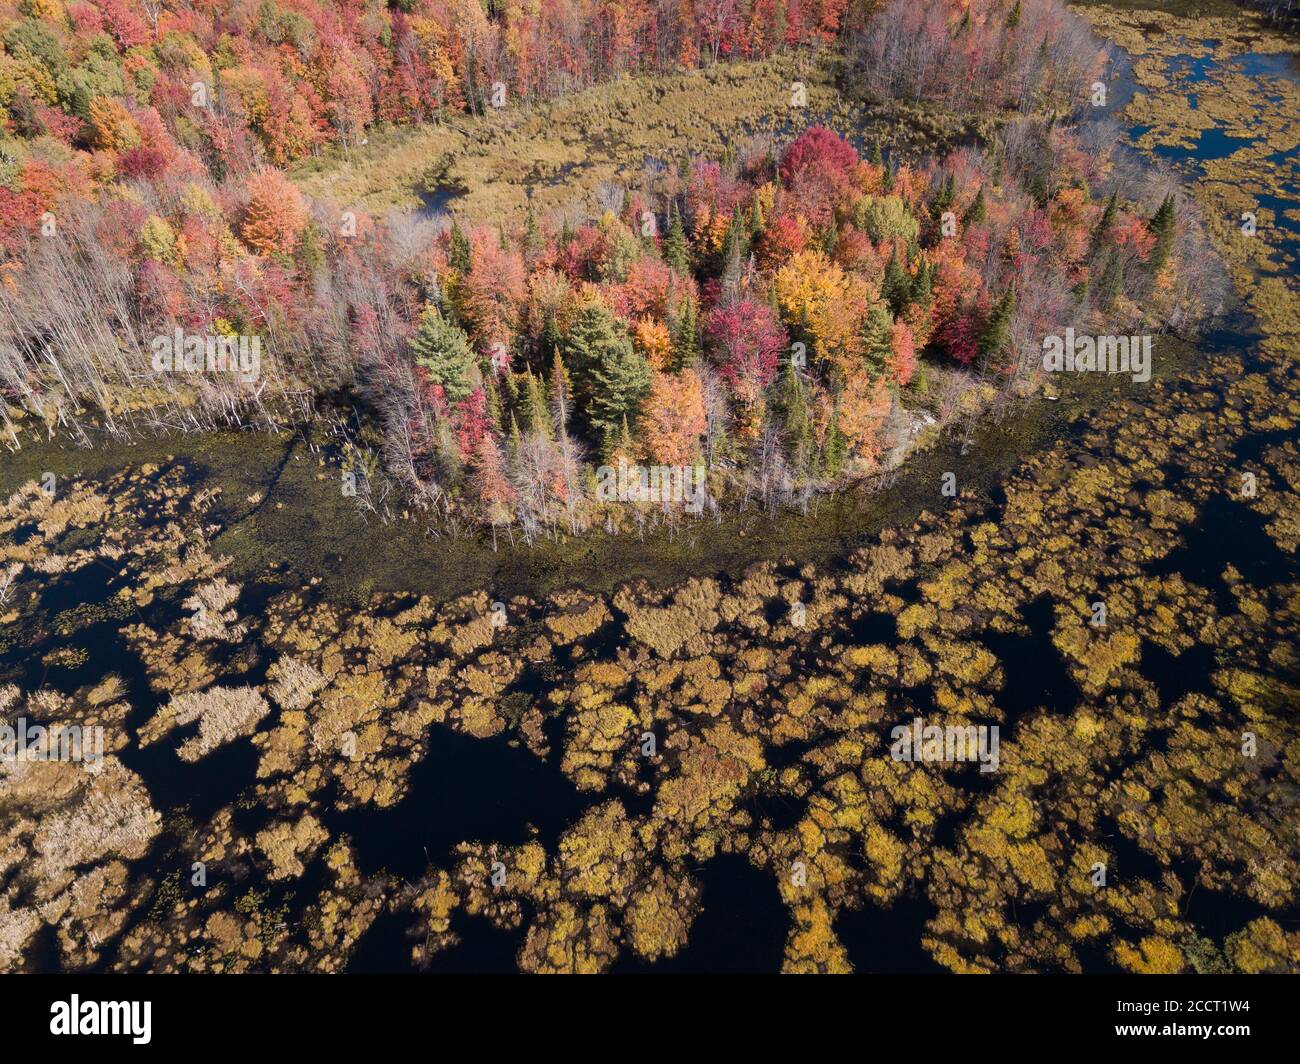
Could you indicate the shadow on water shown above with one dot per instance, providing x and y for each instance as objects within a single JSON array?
[
  {"x": 1034, "y": 675},
  {"x": 741, "y": 926},
  {"x": 887, "y": 940},
  {"x": 464, "y": 789},
  {"x": 1227, "y": 532}
]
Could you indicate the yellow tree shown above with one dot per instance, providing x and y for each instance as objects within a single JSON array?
[
  {"x": 819, "y": 299},
  {"x": 673, "y": 418}
]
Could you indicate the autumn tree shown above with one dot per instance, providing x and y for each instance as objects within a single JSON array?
[
  {"x": 275, "y": 215},
  {"x": 673, "y": 420}
]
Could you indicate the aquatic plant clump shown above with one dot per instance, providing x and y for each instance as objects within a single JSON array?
[{"x": 1029, "y": 706}]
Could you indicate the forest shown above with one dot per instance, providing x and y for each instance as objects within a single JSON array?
[{"x": 792, "y": 316}]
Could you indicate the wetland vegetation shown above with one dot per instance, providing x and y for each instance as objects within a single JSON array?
[{"x": 335, "y": 742}]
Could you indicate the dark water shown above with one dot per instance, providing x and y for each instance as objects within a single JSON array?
[{"x": 466, "y": 789}]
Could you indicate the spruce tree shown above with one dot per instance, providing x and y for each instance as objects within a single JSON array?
[
  {"x": 876, "y": 335},
  {"x": 1105, "y": 222},
  {"x": 977, "y": 211},
  {"x": 1111, "y": 284},
  {"x": 534, "y": 243},
  {"x": 686, "y": 335},
  {"x": 443, "y": 351},
  {"x": 677, "y": 252},
  {"x": 943, "y": 197},
  {"x": 896, "y": 287},
  {"x": 835, "y": 450},
  {"x": 1162, "y": 225},
  {"x": 612, "y": 376},
  {"x": 460, "y": 258},
  {"x": 922, "y": 284},
  {"x": 994, "y": 337},
  {"x": 535, "y": 409},
  {"x": 796, "y": 420}
]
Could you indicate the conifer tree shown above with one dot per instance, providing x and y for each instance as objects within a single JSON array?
[
  {"x": 835, "y": 449},
  {"x": 922, "y": 284},
  {"x": 1162, "y": 225},
  {"x": 995, "y": 334},
  {"x": 460, "y": 258},
  {"x": 444, "y": 352},
  {"x": 535, "y": 409},
  {"x": 686, "y": 335},
  {"x": 676, "y": 251},
  {"x": 876, "y": 335},
  {"x": 896, "y": 287},
  {"x": 613, "y": 377},
  {"x": 561, "y": 393},
  {"x": 1105, "y": 222},
  {"x": 796, "y": 419}
]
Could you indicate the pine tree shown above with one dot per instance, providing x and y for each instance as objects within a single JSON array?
[
  {"x": 995, "y": 334},
  {"x": 443, "y": 351},
  {"x": 796, "y": 419},
  {"x": 1013, "y": 19},
  {"x": 677, "y": 252},
  {"x": 1162, "y": 225},
  {"x": 877, "y": 157},
  {"x": 977, "y": 211},
  {"x": 535, "y": 410},
  {"x": 876, "y": 333},
  {"x": 686, "y": 335},
  {"x": 1111, "y": 284},
  {"x": 896, "y": 287},
  {"x": 1105, "y": 222},
  {"x": 459, "y": 258},
  {"x": 613, "y": 377},
  {"x": 922, "y": 284}
]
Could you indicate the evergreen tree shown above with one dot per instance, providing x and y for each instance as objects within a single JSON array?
[
  {"x": 943, "y": 197},
  {"x": 1105, "y": 222},
  {"x": 876, "y": 335},
  {"x": 1013, "y": 19},
  {"x": 995, "y": 334},
  {"x": 561, "y": 392},
  {"x": 443, "y": 351},
  {"x": 796, "y": 419},
  {"x": 613, "y": 377},
  {"x": 1111, "y": 284},
  {"x": 836, "y": 448},
  {"x": 922, "y": 284},
  {"x": 977, "y": 211},
  {"x": 677, "y": 252},
  {"x": 686, "y": 335},
  {"x": 533, "y": 241},
  {"x": 1162, "y": 225},
  {"x": 459, "y": 258},
  {"x": 535, "y": 409},
  {"x": 897, "y": 286}
]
